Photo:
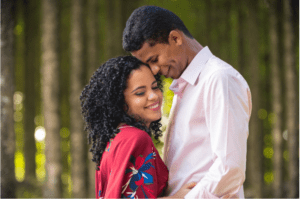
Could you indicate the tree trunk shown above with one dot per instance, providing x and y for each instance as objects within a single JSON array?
[
  {"x": 50, "y": 94},
  {"x": 208, "y": 16},
  {"x": 118, "y": 30},
  {"x": 200, "y": 33},
  {"x": 276, "y": 103},
  {"x": 110, "y": 29},
  {"x": 31, "y": 62},
  {"x": 214, "y": 28},
  {"x": 64, "y": 93},
  {"x": 224, "y": 29},
  {"x": 78, "y": 137},
  {"x": 255, "y": 151},
  {"x": 291, "y": 100},
  {"x": 93, "y": 64},
  {"x": 92, "y": 33},
  {"x": 8, "y": 182},
  {"x": 241, "y": 36},
  {"x": 234, "y": 35},
  {"x": 242, "y": 64}
]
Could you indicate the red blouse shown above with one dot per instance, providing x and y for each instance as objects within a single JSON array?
[{"x": 131, "y": 167}]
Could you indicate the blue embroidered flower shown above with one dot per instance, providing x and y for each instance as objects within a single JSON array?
[{"x": 139, "y": 177}]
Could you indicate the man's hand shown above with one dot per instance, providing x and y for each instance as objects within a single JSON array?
[{"x": 182, "y": 191}]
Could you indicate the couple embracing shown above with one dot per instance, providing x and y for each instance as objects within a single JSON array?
[{"x": 206, "y": 138}]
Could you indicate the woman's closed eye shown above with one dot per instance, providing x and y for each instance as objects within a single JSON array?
[
  {"x": 155, "y": 87},
  {"x": 140, "y": 93}
]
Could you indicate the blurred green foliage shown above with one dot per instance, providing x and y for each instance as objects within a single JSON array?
[{"x": 220, "y": 34}]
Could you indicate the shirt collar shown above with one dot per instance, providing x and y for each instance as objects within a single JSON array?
[{"x": 192, "y": 71}]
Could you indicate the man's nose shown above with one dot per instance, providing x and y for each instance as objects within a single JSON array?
[{"x": 155, "y": 69}]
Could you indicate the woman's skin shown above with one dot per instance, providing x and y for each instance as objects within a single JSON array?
[
  {"x": 142, "y": 95},
  {"x": 144, "y": 100}
]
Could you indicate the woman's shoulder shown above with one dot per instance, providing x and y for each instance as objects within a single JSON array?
[{"x": 132, "y": 134}]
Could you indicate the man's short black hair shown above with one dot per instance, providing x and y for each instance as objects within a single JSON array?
[{"x": 152, "y": 24}]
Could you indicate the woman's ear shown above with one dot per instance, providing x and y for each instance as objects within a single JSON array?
[
  {"x": 125, "y": 108},
  {"x": 175, "y": 37}
]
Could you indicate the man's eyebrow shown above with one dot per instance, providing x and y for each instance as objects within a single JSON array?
[{"x": 138, "y": 88}]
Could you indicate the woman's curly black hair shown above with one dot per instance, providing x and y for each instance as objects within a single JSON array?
[{"x": 103, "y": 102}]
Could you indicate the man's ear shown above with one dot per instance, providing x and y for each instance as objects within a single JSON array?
[{"x": 175, "y": 37}]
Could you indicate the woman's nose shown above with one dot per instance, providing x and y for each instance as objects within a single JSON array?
[
  {"x": 155, "y": 69},
  {"x": 152, "y": 96}
]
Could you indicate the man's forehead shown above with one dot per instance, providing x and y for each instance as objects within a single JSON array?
[{"x": 143, "y": 53}]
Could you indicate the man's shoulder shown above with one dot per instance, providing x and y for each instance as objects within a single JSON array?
[
  {"x": 216, "y": 67},
  {"x": 217, "y": 70},
  {"x": 215, "y": 64}
]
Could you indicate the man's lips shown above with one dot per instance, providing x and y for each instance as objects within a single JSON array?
[{"x": 166, "y": 74}]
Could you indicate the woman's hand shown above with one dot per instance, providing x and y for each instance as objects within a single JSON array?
[{"x": 184, "y": 190}]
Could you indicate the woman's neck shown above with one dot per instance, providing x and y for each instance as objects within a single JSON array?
[{"x": 121, "y": 124}]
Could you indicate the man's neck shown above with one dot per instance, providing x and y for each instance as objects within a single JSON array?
[{"x": 193, "y": 48}]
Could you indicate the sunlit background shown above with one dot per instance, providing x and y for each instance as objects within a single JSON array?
[{"x": 236, "y": 31}]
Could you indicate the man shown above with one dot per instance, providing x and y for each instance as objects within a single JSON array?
[{"x": 206, "y": 139}]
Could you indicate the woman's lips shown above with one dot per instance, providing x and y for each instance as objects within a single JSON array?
[{"x": 154, "y": 106}]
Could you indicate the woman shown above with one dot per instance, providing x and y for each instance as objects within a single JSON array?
[{"x": 121, "y": 106}]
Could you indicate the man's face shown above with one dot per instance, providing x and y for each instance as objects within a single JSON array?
[{"x": 166, "y": 59}]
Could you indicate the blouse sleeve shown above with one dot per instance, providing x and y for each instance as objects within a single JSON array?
[{"x": 133, "y": 173}]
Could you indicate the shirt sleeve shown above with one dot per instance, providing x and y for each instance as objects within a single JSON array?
[
  {"x": 227, "y": 112},
  {"x": 133, "y": 173}
]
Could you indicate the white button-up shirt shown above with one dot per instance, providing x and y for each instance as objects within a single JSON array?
[{"x": 206, "y": 139}]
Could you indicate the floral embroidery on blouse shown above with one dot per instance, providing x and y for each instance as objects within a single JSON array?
[{"x": 138, "y": 177}]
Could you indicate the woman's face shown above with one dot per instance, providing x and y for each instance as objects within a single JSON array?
[{"x": 142, "y": 95}]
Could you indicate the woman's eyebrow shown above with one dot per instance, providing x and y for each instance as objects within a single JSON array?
[
  {"x": 138, "y": 88},
  {"x": 143, "y": 86}
]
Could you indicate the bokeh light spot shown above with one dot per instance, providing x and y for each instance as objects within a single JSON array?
[
  {"x": 18, "y": 97},
  {"x": 40, "y": 133},
  {"x": 272, "y": 118},
  {"x": 39, "y": 120},
  {"x": 64, "y": 132},
  {"x": 19, "y": 166},
  {"x": 285, "y": 135},
  {"x": 269, "y": 177},
  {"x": 262, "y": 114},
  {"x": 65, "y": 178},
  {"x": 18, "y": 116},
  {"x": 65, "y": 146},
  {"x": 268, "y": 152},
  {"x": 18, "y": 107},
  {"x": 40, "y": 160},
  {"x": 18, "y": 29}
]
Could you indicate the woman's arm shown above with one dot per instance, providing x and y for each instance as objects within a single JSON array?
[{"x": 134, "y": 172}]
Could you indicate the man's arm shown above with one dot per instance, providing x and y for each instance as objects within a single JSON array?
[
  {"x": 227, "y": 113},
  {"x": 182, "y": 191}
]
